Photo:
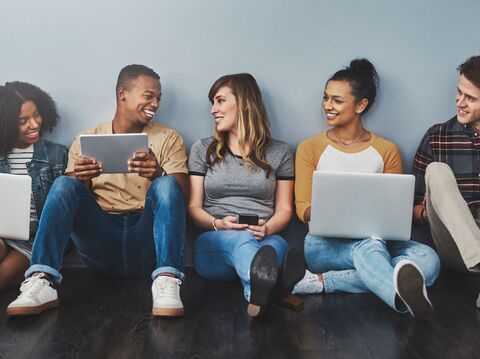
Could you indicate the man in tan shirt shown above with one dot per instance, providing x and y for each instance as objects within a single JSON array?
[{"x": 121, "y": 224}]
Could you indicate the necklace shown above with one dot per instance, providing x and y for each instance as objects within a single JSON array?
[{"x": 351, "y": 143}]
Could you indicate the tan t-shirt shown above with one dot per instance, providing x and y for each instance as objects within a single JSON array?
[{"x": 121, "y": 193}]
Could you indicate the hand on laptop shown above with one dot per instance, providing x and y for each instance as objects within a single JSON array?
[
  {"x": 87, "y": 168},
  {"x": 145, "y": 164}
]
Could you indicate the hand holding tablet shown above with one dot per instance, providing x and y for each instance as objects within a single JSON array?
[
  {"x": 145, "y": 164},
  {"x": 111, "y": 153},
  {"x": 87, "y": 168}
]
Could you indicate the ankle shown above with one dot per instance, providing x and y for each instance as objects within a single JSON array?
[{"x": 320, "y": 277}]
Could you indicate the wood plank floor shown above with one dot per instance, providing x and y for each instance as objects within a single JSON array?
[{"x": 110, "y": 318}]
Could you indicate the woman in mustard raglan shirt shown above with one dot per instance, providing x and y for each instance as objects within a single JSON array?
[{"x": 396, "y": 271}]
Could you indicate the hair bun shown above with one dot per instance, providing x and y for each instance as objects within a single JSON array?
[{"x": 365, "y": 67}]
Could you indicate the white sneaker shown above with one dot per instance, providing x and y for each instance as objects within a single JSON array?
[
  {"x": 166, "y": 297},
  {"x": 36, "y": 296},
  {"x": 309, "y": 284},
  {"x": 409, "y": 285}
]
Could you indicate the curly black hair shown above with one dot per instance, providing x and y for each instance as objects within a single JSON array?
[{"x": 12, "y": 96}]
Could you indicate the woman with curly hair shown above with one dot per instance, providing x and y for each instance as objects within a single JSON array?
[
  {"x": 26, "y": 113},
  {"x": 242, "y": 170}
]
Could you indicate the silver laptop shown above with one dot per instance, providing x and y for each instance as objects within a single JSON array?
[
  {"x": 15, "y": 196},
  {"x": 113, "y": 150},
  {"x": 361, "y": 205}
]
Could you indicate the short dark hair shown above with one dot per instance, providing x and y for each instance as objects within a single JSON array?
[
  {"x": 131, "y": 72},
  {"x": 471, "y": 70},
  {"x": 362, "y": 78},
  {"x": 12, "y": 96}
]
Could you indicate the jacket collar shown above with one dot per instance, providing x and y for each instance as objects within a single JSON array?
[{"x": 40, "y": 151}]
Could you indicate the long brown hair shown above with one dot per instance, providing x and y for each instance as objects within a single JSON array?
[{"x": 253, "y": 128}]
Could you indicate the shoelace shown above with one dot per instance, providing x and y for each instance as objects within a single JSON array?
[
  {"x": 32, "y": 285},
  {"x": 168, "y": 286}
]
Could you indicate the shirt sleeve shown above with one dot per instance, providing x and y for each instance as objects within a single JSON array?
[
  {"x": 197, "y": 165},
  {"x": 174, "y": 156},
  {"x": 305, "y": 164},
  {"x": 286, "y": 168},
  {"x": 423, "y": 157},
  {"x": 393, "y": 161},
  {"x": 73, "y": 154}
]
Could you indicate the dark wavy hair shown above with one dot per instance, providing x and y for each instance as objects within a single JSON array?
[
  {"x": 12, "y": 96},
  {"x": 362, "y": 78},
  {"x": 471, "y": 70}
]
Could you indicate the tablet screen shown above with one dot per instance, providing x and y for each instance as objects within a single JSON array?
[{"x": 113, "y": 150}]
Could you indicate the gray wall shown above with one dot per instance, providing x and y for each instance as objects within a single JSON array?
[{"x": 74, "y": 50}]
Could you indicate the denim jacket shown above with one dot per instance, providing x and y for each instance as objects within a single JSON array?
[{"x": 49, "y": 162}]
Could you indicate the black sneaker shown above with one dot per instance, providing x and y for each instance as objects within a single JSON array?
[{"x": 409, "y": 285}]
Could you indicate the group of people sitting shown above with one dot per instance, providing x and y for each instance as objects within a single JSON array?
[{"x": 130, "y": 224}]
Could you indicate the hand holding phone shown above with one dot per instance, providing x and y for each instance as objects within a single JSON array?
[
  {"x": 248, "y": 219},
  {"x": 259, "y": 230}
]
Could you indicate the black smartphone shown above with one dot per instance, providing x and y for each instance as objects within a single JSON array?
[{"x": 248, "y": 219}]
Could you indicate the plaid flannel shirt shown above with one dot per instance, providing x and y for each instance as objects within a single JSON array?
[{"x": 458, "y": 146}]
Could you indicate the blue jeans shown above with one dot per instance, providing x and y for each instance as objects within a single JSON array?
[
  {"x": 128, "y": 244},
  {"x": 223, "y": 255},
  {"x": 359, "y": 266}
]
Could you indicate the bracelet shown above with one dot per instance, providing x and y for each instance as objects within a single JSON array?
[
  {"x": 422, "y": 215},
  {"x": 214, "y": 226}
]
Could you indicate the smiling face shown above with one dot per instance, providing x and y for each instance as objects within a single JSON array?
[
  {"x": 468, "y": 103},
  {"x": 140, "y": 100},
  {"x": 340, "y": 106},
  {"x": 224, "y": 110},
  {"x": 29, "y": 124}
]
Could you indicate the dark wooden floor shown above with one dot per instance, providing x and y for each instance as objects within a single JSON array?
[{"x": 110, "y": 318}]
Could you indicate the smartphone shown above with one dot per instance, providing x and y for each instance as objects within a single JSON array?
[{"x": 248, "y": 219}]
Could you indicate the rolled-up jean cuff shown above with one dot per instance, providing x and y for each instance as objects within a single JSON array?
[
  {"x": 53, "y": 273},
  {"x": 327, "y": 284},
  {"x": 169, "y": 270}
]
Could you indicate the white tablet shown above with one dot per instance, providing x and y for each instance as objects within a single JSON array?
[{"x": 113, "y": 150}]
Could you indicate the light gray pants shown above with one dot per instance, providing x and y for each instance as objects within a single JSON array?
[{"x": 455, "y": 232}]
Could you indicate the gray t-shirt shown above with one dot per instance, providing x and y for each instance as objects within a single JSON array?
[{"x": 231, "y": 187}]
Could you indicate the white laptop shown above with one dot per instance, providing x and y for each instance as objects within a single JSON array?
[
  {"x": 361, "y": 205},
  {"x": 113, "y": 150},
  {"x": 15, "y": 196}
]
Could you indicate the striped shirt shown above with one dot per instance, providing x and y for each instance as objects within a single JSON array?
[
  {"x": 18, "y": 159},
  {"x": 458, "y": 146}
]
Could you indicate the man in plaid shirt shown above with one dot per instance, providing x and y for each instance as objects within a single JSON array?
[{"x": 447, "y": 170}]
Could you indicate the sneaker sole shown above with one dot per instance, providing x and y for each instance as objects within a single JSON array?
[
  {"x": 263, "y": 277},
  {"x": 20, "y": 311},
  {"x": 411, "y": 289},
  {"x": 168, "y": 312}
]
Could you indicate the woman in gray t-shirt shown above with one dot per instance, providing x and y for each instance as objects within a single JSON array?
[{"x": 242, "y": 171}]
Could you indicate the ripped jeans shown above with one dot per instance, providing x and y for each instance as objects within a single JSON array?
[{"x": 366, "y": 265}]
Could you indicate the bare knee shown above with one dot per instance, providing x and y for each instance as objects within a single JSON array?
[{"x": 12, "y": 269}]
